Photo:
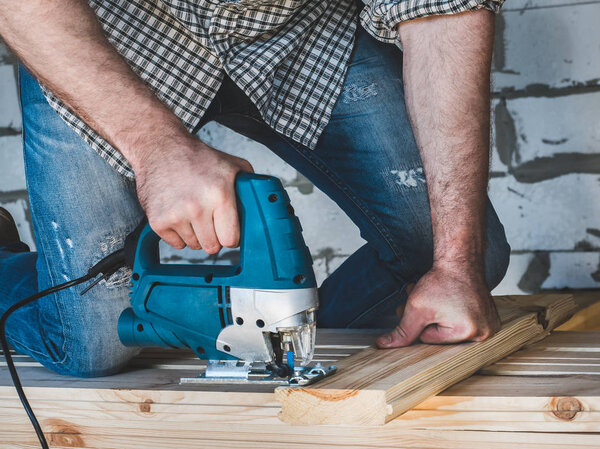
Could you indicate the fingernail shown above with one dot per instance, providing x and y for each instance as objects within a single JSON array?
[{"x": 386, "y": 340}]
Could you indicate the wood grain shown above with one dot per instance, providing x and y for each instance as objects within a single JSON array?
[
  {"x": 374, "y": 386},
  {"x": 145, "y": 406}
]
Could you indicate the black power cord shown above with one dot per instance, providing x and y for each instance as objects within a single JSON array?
[{"x": 105, "y": 267}]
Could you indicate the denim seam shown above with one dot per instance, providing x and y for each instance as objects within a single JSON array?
[
  {"x": 19, "y": 342},
  {"x": 44, "y": 243}
]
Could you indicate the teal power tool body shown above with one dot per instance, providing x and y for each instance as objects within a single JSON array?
[{"x": 253, "y": 321}]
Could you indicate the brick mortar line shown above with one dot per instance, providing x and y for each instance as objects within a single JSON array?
[
  {"x": 14, "y": 195},
  {"x": 8, "y": 131},
  {"x": 544, "y": 91}
]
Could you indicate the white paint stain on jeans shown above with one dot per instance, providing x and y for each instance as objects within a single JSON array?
[
  {"x": 409, "y": 178},
  {"x": 122, "y": 276},
  {"x": 353, "y": 92}
]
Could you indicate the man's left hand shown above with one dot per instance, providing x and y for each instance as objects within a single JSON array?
[{"x": 445, "y": 306}]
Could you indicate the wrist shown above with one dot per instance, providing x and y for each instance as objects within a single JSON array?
[
  {"x": 460, "y": 242},
  {"x": 162, "y": 144},
  {"x": 154, "y": 131},
  {"x": 467, "y": 261}
]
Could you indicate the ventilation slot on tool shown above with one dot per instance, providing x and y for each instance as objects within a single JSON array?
[
  {"x": 221, "y": 307},
  {"x": 228, "y": 306}
]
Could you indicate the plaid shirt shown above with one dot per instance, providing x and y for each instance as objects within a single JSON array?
[{"x": 288, "y": 56}]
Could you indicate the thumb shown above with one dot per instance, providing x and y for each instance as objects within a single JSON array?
[{"x": 404, "y": 334}]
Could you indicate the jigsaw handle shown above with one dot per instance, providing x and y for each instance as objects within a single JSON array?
[{"x": 272, "y": 250}]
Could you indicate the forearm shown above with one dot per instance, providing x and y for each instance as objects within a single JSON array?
[
  {"x": 62, "y": 43},
  {"x": 447, "y": 87}
]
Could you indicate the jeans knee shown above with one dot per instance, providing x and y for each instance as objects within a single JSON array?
[
  {"x": 92, "y": 365},
  {"x": 94, "y": 355}
]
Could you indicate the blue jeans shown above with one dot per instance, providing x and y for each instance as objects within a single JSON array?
[{"x": 366, "y": 161}]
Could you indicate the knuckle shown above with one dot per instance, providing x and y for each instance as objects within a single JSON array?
[
  {"x": 225, "y": 240},
  {"x": 158, "y": 226},
  {"x": 176, "y": 222},
  {"x": 229, "y": 242},
  {"x": 218, "y": 192},
  {"x": 167, "y": 221},
  {"x": 484, "y": 334},
  {"x": 470, "y": 330},
  {"x": 192, "y": 209},
  {"x": 177, "y": 244},
  {"x": 195, "y": 212},
  {"x": 192, "y": 206},
  {"x": 400, "y": 333},
  {"x": 194, "y": 245},
  {"x": 212, "y": 248}
]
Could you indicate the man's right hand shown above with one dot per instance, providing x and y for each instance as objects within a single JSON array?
[
  {"x": 185, "y": 187},
  {"x": 187, "y": 190}
]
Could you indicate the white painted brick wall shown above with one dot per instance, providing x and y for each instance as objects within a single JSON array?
[
  {"x": 556, "y": 46},
  {"x": 545, "y": 153}
]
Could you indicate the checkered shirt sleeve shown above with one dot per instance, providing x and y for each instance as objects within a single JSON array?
[{"x": 381, "y": 17}]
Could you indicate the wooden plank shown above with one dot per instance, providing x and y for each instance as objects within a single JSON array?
[
  {"x": 363, "y": 439},
  {"x": 560, "y": 354},
  {"x": 146, "y": 406},
  {"x": 374, "y": 386},
  {"x": 122, "y": 421},
  {"x": 563, "y": 414},
  {"x": 588, "y": 317}
]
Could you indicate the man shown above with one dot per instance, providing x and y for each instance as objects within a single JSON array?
[{"x": 305, "y": 79}]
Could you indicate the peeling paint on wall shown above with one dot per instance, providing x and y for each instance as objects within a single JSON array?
[
  {"x": 544, "y": 168},
  {"x": 544, "y": 90},
  {"x": 537, "y": 272},
  {"x": 506, "y": 135}
]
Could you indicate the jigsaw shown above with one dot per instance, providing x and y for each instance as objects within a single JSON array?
[{"x": 253, "y": 321}]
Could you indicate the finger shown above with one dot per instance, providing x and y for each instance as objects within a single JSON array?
[
  {"x": 227, "y": 224},
  {"x": 205, "y": 232},
  {"x": 436, "y": 334},
  {"x": 172, "y": 238},
  {"x": 404, "y": 334},
  {"x": 187, "y": 234}
]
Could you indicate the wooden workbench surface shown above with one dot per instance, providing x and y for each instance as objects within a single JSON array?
[{"x": 547, "y": 394}]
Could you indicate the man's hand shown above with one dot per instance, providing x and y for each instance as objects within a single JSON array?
[
  {"x": 447, "y": 88},
  {"x": 187, "y": 190},
  {"x": 445, "y": 306},
  {"x": 185, "y": 187}
]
